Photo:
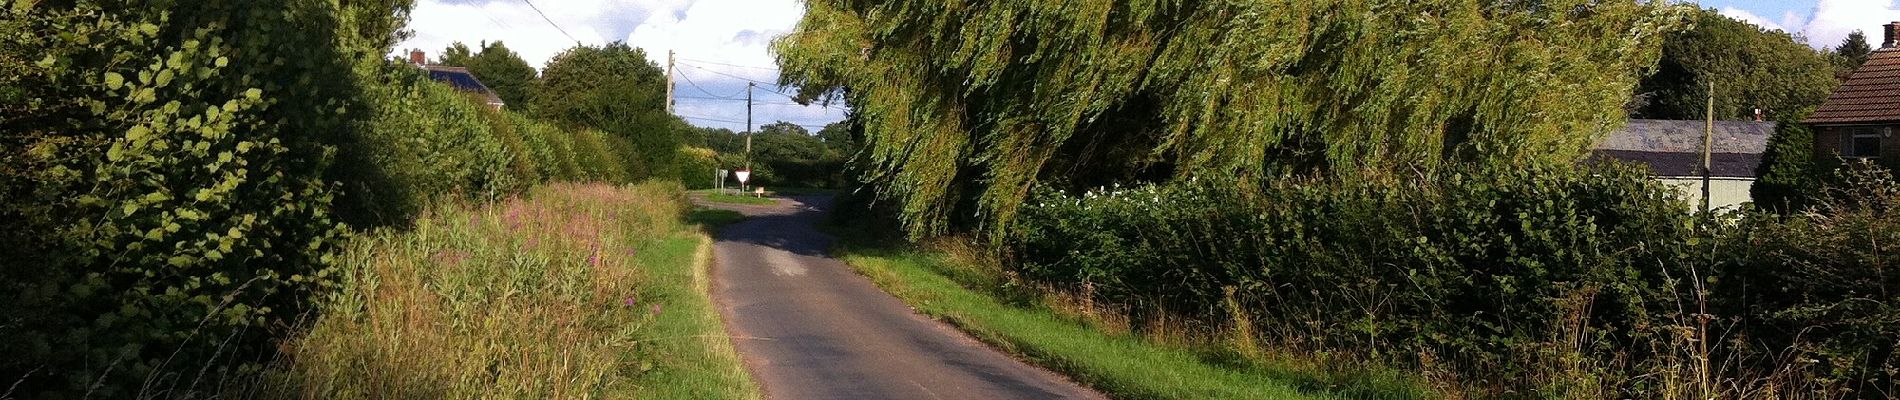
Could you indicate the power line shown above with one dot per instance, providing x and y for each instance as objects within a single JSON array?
[
  {"x": 491, "y": 16},
  {"x": 769, "y": 103},
  {"x": 712, "y": 119},
  {"x": 728, "y": 75},
  {"x": 544, "y": 17},
  {"x": 695, "y": 85},
  {"x": 729, "y": 65}
]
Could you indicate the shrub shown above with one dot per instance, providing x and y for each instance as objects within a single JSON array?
[
  {"x": 169, "y": 173},
  {"x": 1787, "y": 170},
  {"x": 422, "y": 141},
  {"x": 1824, "y": 282},
  {"x": 1477, "y": 270}
]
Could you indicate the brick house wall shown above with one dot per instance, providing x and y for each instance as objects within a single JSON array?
[{"x": 1829, "y": 142}]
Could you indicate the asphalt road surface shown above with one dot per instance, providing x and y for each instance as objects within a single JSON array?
[{"x": 809, "y": 327}]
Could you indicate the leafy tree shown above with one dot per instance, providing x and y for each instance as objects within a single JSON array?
[
  {"x": 456, "y": 55},
  {"x": 1852, "y": 52},
  {"x": 1788, "y": 173},
  {"x": 504, "y": 72},
  {"x": 615, "y": 89},
  {"x": 1751, "y": 67},
  {"x": 376, "y": 24},
  {"x": 966, "y": 106}
]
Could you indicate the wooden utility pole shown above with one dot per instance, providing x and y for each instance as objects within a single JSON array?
[
  {"x": 748, "y": 125},
  {"x": 1708, "y": 141},
  {"x": 669, "y": 81}
]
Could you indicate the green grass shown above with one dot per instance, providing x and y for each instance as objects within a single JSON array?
[
  {"x": 726, "y": 198},
  {"x": 1121, "y": 365},
  {"x": 580, "y": 291},
  {"x": 711, "y": 218}
]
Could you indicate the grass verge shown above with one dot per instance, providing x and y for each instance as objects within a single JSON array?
[
  {"x": 727, "y": 198},
  {"x": 579, "y": 291},
  {"x": 1120, "y": 365}
]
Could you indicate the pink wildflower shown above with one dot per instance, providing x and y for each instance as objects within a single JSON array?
[{"x": 656, "y": 309}]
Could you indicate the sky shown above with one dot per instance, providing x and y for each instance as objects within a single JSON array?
[
  {"x": 719, "y": 45},
  {"x": 1823, "y": 22}
]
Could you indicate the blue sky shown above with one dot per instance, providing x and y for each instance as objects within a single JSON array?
[
  {"x": 721, "y": 45},
  {"x": 1823, "y": 22}
]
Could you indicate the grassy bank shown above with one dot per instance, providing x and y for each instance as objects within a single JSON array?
[
  {"x": 1056, "y": 334},
  {"x": 733, "y": 199},
  {"x": 576, "y": 291}
]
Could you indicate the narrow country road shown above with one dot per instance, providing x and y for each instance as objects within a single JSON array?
[{"x": 809, "y": 327}]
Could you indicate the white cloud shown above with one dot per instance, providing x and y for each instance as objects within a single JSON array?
[
  {"x": 1750, "y": 17},
  {"x": 1832, "y": 20},
  {"x": 722, "y": 44}
]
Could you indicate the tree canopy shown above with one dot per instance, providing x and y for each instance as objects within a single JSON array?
[
  {"x": 456, "y": 55},
  {"x": 1852, "y": 52},
  {"x": 981, "y": 101},
  {"x": 1751, "y": 67},
  {"x": 615, "y": 89},
  {"x": 499, "y": 68}
]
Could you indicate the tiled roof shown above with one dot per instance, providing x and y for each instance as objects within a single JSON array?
[
  {"x": 1871, "y": 94},
  {"x": 460, "y": 78},
  {"x": 1674, "y": 148}
]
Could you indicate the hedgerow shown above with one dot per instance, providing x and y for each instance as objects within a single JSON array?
[
  {"x": 168, "y": 164},
  {"x": 177, "y": 175},
  {"x": 1573, "y": 283}
]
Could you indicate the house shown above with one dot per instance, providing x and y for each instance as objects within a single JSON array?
[
  {"x": 1857, "y": 121},
  {"x": 1672, "y": 150},
  {"x": 457, "y": 77}
]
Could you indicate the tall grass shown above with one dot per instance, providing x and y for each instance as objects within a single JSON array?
[{"x": 575, "y": 291}]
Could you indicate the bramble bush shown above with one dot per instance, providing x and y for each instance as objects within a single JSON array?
[{"x": 1824, "y": 284}]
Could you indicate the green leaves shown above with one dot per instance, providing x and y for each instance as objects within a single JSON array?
[
  {"x": 114, "y": 80},
  {"x": 967, "y": 106}
]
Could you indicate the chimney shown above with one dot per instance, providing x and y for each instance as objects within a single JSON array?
[
  {"x": 416, "y": 56},
  {"x": 1893, "y": 36}
]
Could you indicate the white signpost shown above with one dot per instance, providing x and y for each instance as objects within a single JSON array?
[{"x": 744, "y": 174}]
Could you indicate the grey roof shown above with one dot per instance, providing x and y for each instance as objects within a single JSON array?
[
  {"x": 1674, "y": 148},
  {"x": 1744, "y": 137},
  {"x": 461, "y": 78}
]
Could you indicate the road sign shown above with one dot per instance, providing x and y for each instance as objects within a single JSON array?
[{"x": 744, "y": 175}]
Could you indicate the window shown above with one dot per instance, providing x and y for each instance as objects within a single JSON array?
[{"x": 1862, "y": 142}]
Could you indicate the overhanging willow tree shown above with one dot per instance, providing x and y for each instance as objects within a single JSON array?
[{"x": 966, "y": 105}]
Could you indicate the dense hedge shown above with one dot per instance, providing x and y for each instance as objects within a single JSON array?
[
  {"x": 165, "y": 202},
  {"x": 1470, "y": 269},
  {"x": 173, "y": 175},
  {"x": 1583, "y": 282},
  {"x": 425, "y": 141}
]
